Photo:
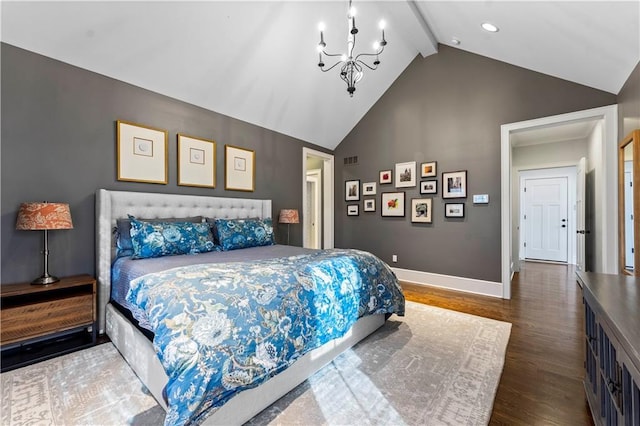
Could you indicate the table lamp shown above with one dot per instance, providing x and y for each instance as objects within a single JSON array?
[
  {"x": 289, "y": 216},
  {"x": 43, "y": 217}
]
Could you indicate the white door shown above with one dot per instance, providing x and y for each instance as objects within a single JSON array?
[
  {"x": 580, "y": 214},
  {"x": 312, "y": 220},
  {"x": 546, "y": 219}
]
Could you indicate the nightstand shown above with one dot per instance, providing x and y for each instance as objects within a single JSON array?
[{"x": 40, "y": 322}]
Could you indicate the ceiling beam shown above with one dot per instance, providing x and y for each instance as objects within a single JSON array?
[{"x": 415, "y": 29}]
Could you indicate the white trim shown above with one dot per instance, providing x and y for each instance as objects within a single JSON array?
[
  {"x": 314, "y": 176},
  {"x": 609, "y": 150},
  {"x": 468, "y": 285},
  {"x": 327, "y": 194}
]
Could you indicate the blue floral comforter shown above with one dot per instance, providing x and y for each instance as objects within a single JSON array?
[{"x": 223, "y": 328}]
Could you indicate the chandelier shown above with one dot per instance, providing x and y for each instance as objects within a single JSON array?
[{"x": 351, "y": 70}]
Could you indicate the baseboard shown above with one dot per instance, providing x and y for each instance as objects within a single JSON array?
[{"x": 469, "y": 285}]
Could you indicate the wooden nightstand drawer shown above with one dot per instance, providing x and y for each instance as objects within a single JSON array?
[
  {"x": 38, "y": 322},
  {"x": 39, "y": 319}
]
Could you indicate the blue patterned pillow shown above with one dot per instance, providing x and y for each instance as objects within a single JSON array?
[
  {"x": 243, "y": 233},
  {"x": 156, "y": 239},
  {"x": 124, "y": 246}
]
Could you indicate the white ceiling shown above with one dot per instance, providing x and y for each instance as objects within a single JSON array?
[{"x": 256, "y": 61}]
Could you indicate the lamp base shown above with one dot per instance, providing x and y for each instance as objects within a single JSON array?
[{"x": 45, "y": 280}]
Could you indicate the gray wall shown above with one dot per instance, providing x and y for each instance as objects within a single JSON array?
[
  {"x": 629, "y": 104},
  {"x": 447, "y": 108},
  {"x": 58, "y": 144}
]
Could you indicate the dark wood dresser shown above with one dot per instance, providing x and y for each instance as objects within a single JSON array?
[
  {"x": 612, "y": 347},
  {"x": 38, "y": 322}
]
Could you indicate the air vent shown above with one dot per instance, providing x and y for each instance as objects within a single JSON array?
[{"x": 349, "y": 161}]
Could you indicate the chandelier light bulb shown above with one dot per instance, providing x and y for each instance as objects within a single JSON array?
[
  {"x": 343, "y": 57},
  {"x": 376, "y": 45},
  {"x": 352, "y": 12},
  {"x": 382, "y": 24},
  {"x": 321, "y": 26},
  {"x": 320, "y": 47}
]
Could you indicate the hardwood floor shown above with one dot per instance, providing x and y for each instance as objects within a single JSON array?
[{"x": 542, "y": 379}]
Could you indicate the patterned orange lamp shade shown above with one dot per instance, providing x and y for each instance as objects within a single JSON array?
[
  {"x": 289, "y": 216},
  {"x": 43, "y": 217}
]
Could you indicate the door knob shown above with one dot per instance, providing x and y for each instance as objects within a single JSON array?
[
  {"x": 564, "y": 220},
  {"x": 564, "y": 226}
]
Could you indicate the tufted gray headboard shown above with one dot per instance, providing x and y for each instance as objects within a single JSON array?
[{"x": 111, "y": 205}]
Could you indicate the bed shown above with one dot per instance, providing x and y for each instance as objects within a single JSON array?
[{"x": 168, "y": 278}]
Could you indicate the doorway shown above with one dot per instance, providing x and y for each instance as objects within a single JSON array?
[
  {"x": 312, "y": 225},
  {"x": 547, "y": 219},
  {"x": 602, "y": 158},
  {"x": 317, "y": 199}
]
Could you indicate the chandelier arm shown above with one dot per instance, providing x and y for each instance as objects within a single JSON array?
[
  {"x": 369, "y": 54},
  {"x": 331, "y": 54},
  {"x": 332, "y": 67},
  {"x": 360, "y": 61}
]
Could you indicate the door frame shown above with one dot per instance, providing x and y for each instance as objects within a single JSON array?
[
  {"x": 327, "y": 195},
  {"x": 608, "y": 185},
  {"x": 314, "y": 176},
  {"x": 546, "y": 173}
]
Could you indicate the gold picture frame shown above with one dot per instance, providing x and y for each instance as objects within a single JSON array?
[
  {"x": 196, "y": 161},
  {"x": 239, "y": 169},
  {"x": 143, "y": 153}
]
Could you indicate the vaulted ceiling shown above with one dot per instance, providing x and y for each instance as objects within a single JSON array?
[{"x": 257, "y": 61}]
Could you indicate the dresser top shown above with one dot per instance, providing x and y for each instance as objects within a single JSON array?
[{"x": 618, "y": 299}]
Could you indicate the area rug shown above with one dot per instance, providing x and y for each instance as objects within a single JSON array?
[{"x": 431, "y": 367}]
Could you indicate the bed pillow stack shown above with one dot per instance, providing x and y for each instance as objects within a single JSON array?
[
  {"x": 122, "y": 231},
  {"x": 244, "y": 233},
  {"x": 157, "y": 239}
]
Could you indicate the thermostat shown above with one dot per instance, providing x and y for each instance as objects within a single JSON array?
[{"x": 481, "y": 199}]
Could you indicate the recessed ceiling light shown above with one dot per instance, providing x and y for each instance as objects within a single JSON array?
[
  {"x": 455, "y": 41},
  {"x": 490, "y": 27}
]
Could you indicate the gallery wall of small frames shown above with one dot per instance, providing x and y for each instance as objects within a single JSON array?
[{"x": 394, "y": 185}]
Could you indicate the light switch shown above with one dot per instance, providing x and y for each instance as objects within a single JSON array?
[{"x": 481, "y": 199}]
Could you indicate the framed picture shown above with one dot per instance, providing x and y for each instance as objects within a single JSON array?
[
  {"x": 406, "y": 174},
  {"x": 239, "y": 169},
  {"x": 386, "y": 176},
  {"x": 143, "y": 153},
  {"x": 454, "y": 210},
  {"x": 454, "y": 184},
  {"x": 369, "y": 188},
  {"x": 421, "y": 210},
  {"x": 392, "y": 204},
  {"x": 196, "y": 162},
  {"x": 428, "y": 169},
  {"x": 352, "y": 190},
  {"x": 370, "y": 205},
  {"x": 352, "y": 210},
  {"x": 429, "y": 187}
]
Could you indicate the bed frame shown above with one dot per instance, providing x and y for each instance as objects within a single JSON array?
[{"x": 138, "y": 351}]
